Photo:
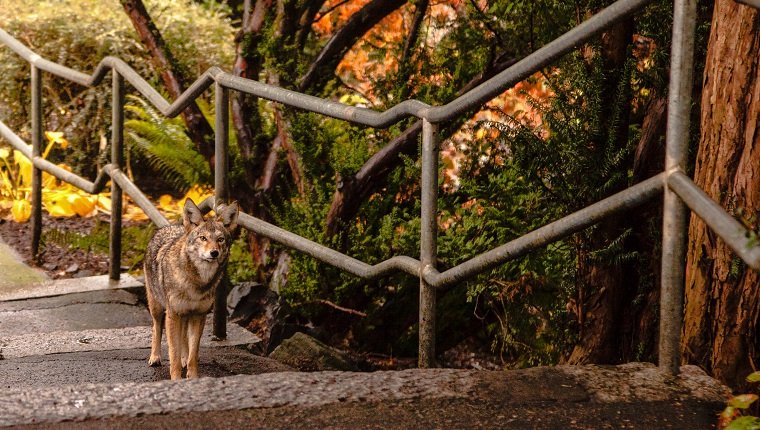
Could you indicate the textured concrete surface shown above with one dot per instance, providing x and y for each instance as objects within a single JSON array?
[
  {"x": 99, "y": 367},
  {"x": 27, "y": 288},
  {"x": 561, "y": 388},
  {"x": 81, "y": 311},
  {"x": 25, "y": 345}
]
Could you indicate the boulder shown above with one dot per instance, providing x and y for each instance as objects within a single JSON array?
[{"x": 305, "y": 353}]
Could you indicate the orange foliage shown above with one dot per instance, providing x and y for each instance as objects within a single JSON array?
[{"x": 376, "y": 55}]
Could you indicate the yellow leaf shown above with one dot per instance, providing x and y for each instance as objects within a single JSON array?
[
  {"x": 21, "y": 210},
  {"x": 166, "y": 204},
  {"x": 57, "y": 204},
  {"x": 57, "y": 137},
  {"x": 198, "y": 194},
  {"x": 83, "y": 206},
  {"x": 134, "y": 213},
  {"x": 24, "y": 169},
  {"x": 4, "y": 153},
  {"x": 49, "y": 181}
]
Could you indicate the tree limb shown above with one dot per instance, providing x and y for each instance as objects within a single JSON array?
[
  {"x": 352, "y": 191},
  {"x": 323, "y": 67},
  {"x": 308, "y": 17},
  {"x": 198, "y": 128},
  {"x": 419, "y": 16}
]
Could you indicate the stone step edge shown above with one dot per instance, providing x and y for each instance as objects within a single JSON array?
[
  {"x": 27, "y": 345},
  {"x": 69, "y": 286},
  {"x": 93, "y": 401},
  {"x": 296, "y": 389}
]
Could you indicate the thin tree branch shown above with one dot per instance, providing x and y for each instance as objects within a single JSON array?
[
  {"x": 308, "y": 13},
  {"x": 341, "y": 308},
  {"x": 411, "y": 40},
  {"x": 323, "y": 67},
  {"x": 328, "y": 11}
]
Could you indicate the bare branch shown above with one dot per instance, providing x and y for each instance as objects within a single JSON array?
[
  {"x": 341, "y": 308},
  {"x": 419, "y": 17},
  {"x": 328, "y": 11}
]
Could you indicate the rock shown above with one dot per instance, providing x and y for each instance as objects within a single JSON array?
[
  {"x": 72, "y": 268},
  {"x": 305, "y": 353},
  {"x": 243, "y": 301},
  {"x": 84, "y": 273},
  {"x": 260, "y": 310}
]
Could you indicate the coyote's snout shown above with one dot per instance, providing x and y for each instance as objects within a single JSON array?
[{"x": 183, "y": 266}]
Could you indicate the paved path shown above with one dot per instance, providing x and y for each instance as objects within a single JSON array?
[{"x": 73, "y": 355}]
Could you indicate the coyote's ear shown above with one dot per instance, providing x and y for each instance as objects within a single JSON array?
[
  {"x": 228, "y": 215},
  {"x": 191, "y": 215}
]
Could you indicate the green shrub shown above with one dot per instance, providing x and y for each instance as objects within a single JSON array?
[{"x": 78, "y": 34}]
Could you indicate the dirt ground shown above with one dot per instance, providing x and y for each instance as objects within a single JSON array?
[{"x": 57, "y": 261}]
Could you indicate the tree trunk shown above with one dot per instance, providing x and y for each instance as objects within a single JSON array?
[
  {"x": 722, "y": 298},
  {"x": 602, "y": 284},
  {"x": 198, "y": 128}
]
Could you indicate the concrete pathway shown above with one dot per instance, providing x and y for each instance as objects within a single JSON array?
[{"x": 73, "y": 355}]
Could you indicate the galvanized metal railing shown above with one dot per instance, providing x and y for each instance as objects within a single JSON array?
[{"x": 679, "y": 191}]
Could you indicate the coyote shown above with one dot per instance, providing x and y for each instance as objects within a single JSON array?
[{"x": 183, "y": 266}]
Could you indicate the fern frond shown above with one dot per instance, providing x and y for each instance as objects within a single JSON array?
[{"x": 164, "y": 144}]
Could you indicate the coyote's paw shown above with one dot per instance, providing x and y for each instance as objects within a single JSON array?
[
  {"x": 184, "y": 362},
  {"x": 154, "y": 361}
]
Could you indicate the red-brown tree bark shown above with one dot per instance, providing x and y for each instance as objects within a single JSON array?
[
  {"x": 722, "y": 296},
  {"x": 198, "y": 128},
  {"x": 602, "y": 284}
]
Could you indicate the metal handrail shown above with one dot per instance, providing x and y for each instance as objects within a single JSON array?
[{"x": 672, "y": 182}]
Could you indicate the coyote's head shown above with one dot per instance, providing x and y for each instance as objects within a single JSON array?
[{"x": 209, "y": 240}]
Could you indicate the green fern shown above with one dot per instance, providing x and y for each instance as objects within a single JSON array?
[{"x": 163, "y": 143}]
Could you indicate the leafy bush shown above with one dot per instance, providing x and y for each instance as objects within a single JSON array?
[
  {"x": 163, "y": 143},
  {"x": 78, "y": 34}
]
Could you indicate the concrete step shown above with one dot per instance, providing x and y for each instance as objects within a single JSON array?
[
  {"x": 30, "y": 287},
  {"x": 109, "y": 339},
  {"x": 631, "y": 396},
  {"x": 127, "y": 365},
  {"x": 72, "y": 312},
  {"x": 101, "y": 335}
]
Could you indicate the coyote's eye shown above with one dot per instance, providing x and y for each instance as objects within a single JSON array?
[
  {"x": 220, "y": 240},
  {"x": 203, "y": 238}
]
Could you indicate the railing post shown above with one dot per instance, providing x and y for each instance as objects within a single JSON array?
[
  {"x": 674, "y": 210},
  {"x": 222, "y": 194},
  {"x": 36, "y": 85},
  {"x": 428, "y": 242},
  {"x": 117, "y": 159}
]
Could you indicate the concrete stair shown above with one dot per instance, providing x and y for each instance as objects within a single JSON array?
[{"x": 73, "y": 355}]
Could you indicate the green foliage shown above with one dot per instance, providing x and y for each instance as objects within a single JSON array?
[
  {"x": 163, "y": 143},
  {"x": 134, "y": 241},
  {"x": 240, "y": 268},
  {"x": 733, "y": 418},
  {"x": 78, "y": 34},
  {"x": 744, "y": 423}
]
